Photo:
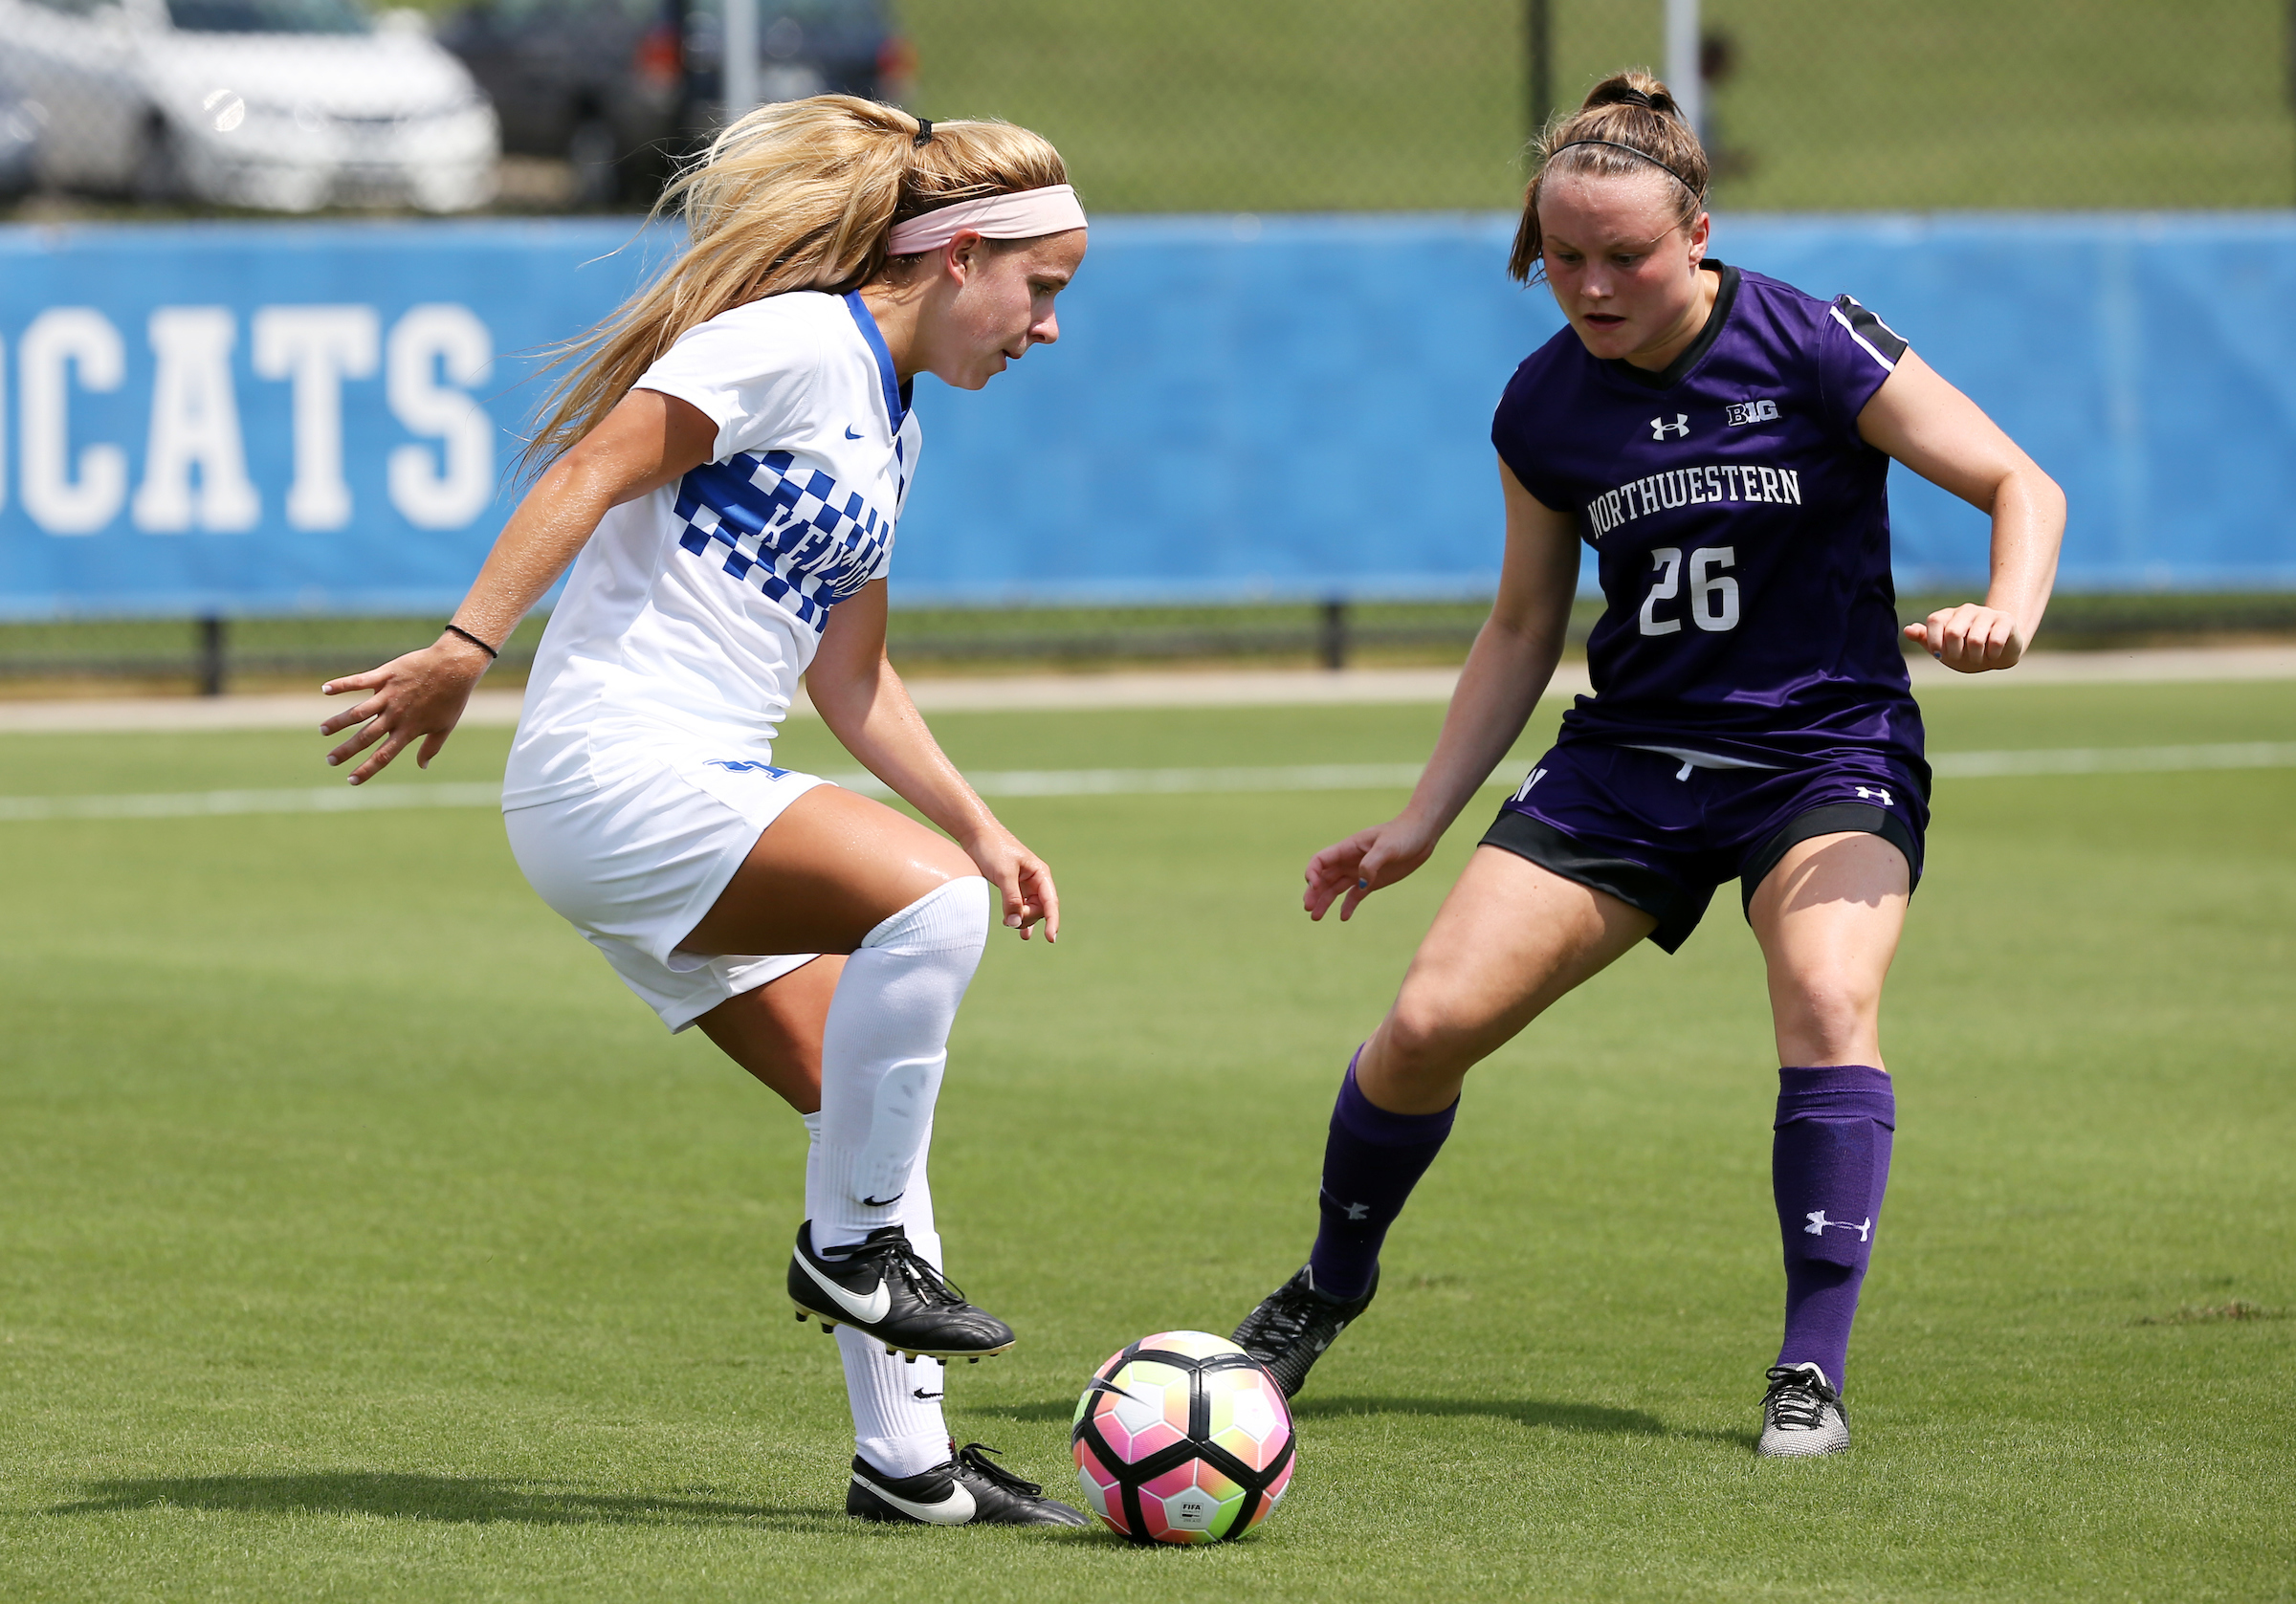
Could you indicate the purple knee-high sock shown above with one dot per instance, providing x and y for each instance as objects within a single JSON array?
[
  {"x": 1829, "y": 1164},
  {"x": 1371, "y": 1162}
]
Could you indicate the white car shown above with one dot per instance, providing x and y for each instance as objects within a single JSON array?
[{"x": 281, "y": 106}]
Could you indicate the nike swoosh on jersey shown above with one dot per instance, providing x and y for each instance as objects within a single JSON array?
[
  {"x": 868, "y": 1310},
  {"x": 850, "y": 433},
  {"x": 952, "y": 1511}
]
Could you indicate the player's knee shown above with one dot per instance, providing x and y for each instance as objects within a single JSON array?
[
  {"x": 1835, "y": 1007},
  {"x": 1421, "y": 1039},
  {"x": 950, "y": 917}
]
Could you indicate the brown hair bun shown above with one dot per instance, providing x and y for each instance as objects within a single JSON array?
[{"x": 1628, "y": 124}]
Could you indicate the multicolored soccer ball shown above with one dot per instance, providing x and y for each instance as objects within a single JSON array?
[{"x": 1182, "y": 1438}]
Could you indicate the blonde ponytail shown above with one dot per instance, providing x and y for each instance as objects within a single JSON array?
[{"x": 799, "y": 195}]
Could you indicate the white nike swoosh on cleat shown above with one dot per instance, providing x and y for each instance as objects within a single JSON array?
[
  {"x": 955, "y": 1510},
  {"x": 868, "y": 1310}
]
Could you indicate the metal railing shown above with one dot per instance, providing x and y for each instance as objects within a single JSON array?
[
  {"x": 213, "y": 655},
  {"x": 1175, "y": 105}
]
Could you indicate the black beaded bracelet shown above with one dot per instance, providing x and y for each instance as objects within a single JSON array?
[{"x": 458, "y": 629}]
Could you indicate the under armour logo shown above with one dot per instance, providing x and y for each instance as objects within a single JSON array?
[
  {"x": 1871, "y": 792},
  {"x": 1818, "y": 1222},
  {"x": 1358, "y": 1211},
  {"x": 1536, "y": 774},
  {"x": 1680, "y": 426}
]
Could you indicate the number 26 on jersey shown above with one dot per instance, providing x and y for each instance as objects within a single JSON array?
[{"x": 1714, "y": 594}]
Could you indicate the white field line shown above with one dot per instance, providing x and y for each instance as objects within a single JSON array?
[
  {"x": 1183, "y": 687},
  {"x": 203, "y": 805},
  {"x": 1173, "y": 782},
  {"x": 2115, "y": 760},
  {"x": 1113, "y": 782}
]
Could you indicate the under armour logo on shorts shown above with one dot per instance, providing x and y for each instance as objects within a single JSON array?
[{"x": 1872, "y": 793}]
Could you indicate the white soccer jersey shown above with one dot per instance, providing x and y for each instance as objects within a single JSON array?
[{"x": 690, "y": 613}]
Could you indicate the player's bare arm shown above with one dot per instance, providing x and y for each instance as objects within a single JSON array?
[
  {"x": 1507, "y": 671},
  {"x": 1722, "y": 441},
  {"x": 868, "y": 709},
  {"x": 1925, "y": 423},
  {"x": 649, "y": 440},
  {"x": 729, "y": 455}
]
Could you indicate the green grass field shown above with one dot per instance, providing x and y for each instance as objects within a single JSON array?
[
  {"x": 361, "y": 1239},
  {"x": 1291, "y": 105},
  {"x": 1351, "y": 106}
]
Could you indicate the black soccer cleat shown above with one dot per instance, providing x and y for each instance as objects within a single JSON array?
[
  {"x": 1801, "y": 1415},
  {"x": 884, "y": 1290},
  {"x": 969, "y": 1490},
  {"x": 1295, "y": 1324}
]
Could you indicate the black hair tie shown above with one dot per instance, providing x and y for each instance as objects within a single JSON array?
[
  {"x": 924, "y": 134},
  {"x": 1631, "y": 150},
  {"x": 492, "y": 653},
  {"x": 1629, "y": 95}
]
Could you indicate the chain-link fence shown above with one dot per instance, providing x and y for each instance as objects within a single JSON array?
[
  {"x": 1161, "y": 105},
  {"x": 1255, "y": 105},
  {"x": 1812, "y": 104},
  {"x": 1937, "y": 104}
]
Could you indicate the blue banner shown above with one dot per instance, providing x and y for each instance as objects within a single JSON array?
[
  {"x": 262, "y": 418},
  {"x": 252, "y": 417}
]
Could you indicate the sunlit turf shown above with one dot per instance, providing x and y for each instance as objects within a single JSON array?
[{"x": 360, "y": 1238}]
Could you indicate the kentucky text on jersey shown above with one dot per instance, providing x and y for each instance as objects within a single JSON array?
[
  {"x": 787, "y": 532},
  {"x": 1685, "y": 486}
]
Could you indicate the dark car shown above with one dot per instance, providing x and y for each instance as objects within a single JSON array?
[{"x": 626, "y": 89}]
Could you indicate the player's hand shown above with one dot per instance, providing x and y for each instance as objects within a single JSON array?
[
  {"x": 1970, "y": 639},
  {"x": 1362, "y": 864},
  {"x": 1021, "y": 879},
  {"x": 419, "y": 697}
]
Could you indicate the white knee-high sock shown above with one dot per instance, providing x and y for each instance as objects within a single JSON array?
[
  {"x": 898, "y": 1424},
  {"x": 883, "y": 1050}
]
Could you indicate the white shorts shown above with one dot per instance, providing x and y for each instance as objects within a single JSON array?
[{"x": 635, "y": 864}]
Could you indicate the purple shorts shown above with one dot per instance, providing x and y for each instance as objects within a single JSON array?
[{"x": 1660, "y": 835}]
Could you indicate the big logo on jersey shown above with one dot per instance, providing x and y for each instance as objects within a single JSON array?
[{"x": 786, "y": 531}]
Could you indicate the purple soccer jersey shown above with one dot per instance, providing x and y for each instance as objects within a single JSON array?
[{"x": 1741, "y": 529}]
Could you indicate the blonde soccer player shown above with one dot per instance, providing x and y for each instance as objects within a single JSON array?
[{"x": 725, "y": 468}]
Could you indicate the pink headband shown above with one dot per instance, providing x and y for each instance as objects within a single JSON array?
[{"x": 1022, "y": 216}]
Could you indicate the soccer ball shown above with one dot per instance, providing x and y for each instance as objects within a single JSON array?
[{"x": 1182, "y": 1438}]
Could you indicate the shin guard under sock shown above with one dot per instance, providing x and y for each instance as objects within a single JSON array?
[
  {"x": 1371, "y": 1162},
  {"x": 1829, "y": 1165},
  {"x": 883, "y": 1051}
]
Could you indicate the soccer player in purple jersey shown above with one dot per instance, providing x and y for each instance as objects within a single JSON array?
[{"x": 1723, "y": 441}]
